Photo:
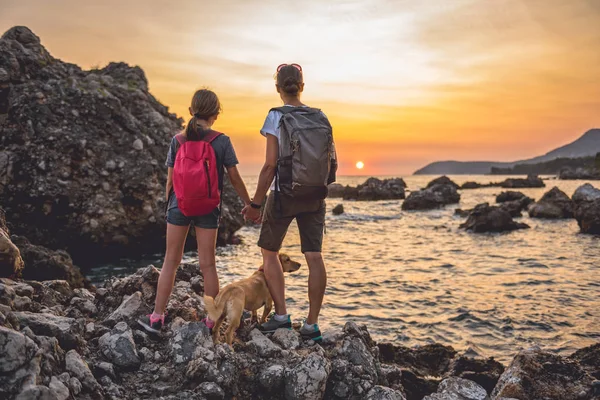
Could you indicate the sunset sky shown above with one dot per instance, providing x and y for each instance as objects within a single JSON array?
[{"x": 404, "y": 83}]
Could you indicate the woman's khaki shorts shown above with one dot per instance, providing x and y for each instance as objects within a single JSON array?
[{"x": 309, "y": 215}]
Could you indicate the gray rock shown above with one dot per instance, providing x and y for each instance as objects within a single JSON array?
[
  {"x": 286, "y": 338},
  {"x": 118, "y": 346},
  {"x": 486, "y": 218},
  {"x": 384, "y": 393},
  {"x": 80, "y": 374},
  {"x": 22, "y": 303},
  {"x": 585, "y": 193},
  {"x": 307, "y": 379},
  {"x": 211, "y": 390},
  {"x": 338, "y": 210},
  {"x": 458, "y": 389},
  {"x": 261, "y": 345},
  {"x": 66, "y": 330},
  {"x": 105, "y": 368},
  {"x": 272, "y": 378},
  {"x": 131, "y": 307},
  {"x": 59, "y": 389},
  {"x": 37, "y": 393},
  {"x": 7, "y": 295},
  {"x": 146, "y": 354},
  {"x": 87, "y": 307},
  {"x": 23, "y": 289},
  {"x": 187, "y": 336},
  {"x": 16, "y": 350},
  {"x": 138, "y": 145},
  {"x": 431, "y": 198}
]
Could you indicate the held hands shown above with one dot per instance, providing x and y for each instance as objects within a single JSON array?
[{"x": 252, "y": 214}]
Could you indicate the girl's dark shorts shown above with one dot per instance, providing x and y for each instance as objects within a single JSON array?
[
  {"x": 209, "y": 221},
  {"x": 309, "y": 215}
]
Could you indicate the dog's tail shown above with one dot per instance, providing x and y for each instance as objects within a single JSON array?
[{"x": 214, "y": 310}]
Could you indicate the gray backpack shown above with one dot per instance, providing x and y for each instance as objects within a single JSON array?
[{"x": 306, "y": 163}]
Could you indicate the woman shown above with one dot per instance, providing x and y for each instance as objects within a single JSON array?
[{"x": 205, "y": 109}]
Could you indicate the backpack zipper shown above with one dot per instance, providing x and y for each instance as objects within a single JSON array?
[{"x": 208, "y": 178}]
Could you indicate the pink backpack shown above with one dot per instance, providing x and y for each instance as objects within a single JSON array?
[{"x": 195, "y": 176}]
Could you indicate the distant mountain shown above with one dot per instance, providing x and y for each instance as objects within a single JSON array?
[{"x": 587, "y": 145}]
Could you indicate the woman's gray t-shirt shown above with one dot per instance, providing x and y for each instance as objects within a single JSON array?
[{"x": 224, "y": 152}]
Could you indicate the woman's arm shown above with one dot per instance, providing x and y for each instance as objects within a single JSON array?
[
  {"x": 238, "y": 184},
  {"x": 169, "y": 183},
  {"x": 267, "y": 173}
]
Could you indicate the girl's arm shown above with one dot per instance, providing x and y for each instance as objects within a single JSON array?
[
  {"x": 267, "y": 173},
  {"x": 238, "y": 184},
  {"x": 169, "y": 183}
]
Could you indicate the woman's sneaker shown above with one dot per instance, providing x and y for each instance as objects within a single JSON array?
[
  {"x": 311, "y": 332},
  {"x": 152, "y": 325},
  {"x": 272, "y": 324}
]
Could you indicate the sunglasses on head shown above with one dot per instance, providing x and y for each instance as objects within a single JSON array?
[{"x": 297, "y": 66}]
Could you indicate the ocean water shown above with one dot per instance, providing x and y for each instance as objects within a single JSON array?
[{"x": 415, "y": 278}]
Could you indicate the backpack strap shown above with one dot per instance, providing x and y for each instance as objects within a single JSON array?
[
  {"x": 287, "y": 109},
  {"x": 211, "y": 136},
  {"x": 181, "y": 138}
]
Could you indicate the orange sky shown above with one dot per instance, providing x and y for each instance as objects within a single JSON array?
[{"x": 403, "y": 83}]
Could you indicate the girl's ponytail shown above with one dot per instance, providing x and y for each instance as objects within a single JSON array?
[{"x": 205, "y": 105}]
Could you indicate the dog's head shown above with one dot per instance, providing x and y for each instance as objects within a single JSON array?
[{"x": 288, "y": 264}]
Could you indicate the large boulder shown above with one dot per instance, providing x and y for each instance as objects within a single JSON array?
[
  {"x": 82, "y": 155},
  {"x": 435, "y": 196},
  {"x": 486, "y": 218},
  {"x": 586, "y": 200},
  {"x": 536, "y": 374},
  {"x": 442, "y": 180},
  {"x": 458, "y": 389},
  {"x": 68, "y": 331},
  {"x": 554, "y": 204},
  {"x": 589, "y": 359},
  {"x": 11, "y": 263},
  {"x": 307, "y": 379},
  {"x": 119, "y": 347},
  {"x": 585, "y": 192},
  {"x": 579, "y": 173},
  {"x": 371, "y": 190},
  {"x": 532, "y": 181},
  {"x": 19, "y": 363},
  {"x": 511, "y": 195}
]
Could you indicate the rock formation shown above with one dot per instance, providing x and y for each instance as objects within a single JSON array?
[
  {"x": 586, "y": 200},
  {"x": 372, "y": 189},
  {"x": 438, "y": 193},
  {"x": 554, "y": 204},
  {"x": 486, "y": 218}
]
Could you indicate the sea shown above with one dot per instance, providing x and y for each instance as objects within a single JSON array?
[{"x": 415, "y": 278}]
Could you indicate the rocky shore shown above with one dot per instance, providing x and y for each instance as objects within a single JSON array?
[
  {"x": 63, "y": 343},
  {"x": 82, "y": 155}
]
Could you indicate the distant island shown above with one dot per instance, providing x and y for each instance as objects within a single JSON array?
[{"x": 587, "y": 145}]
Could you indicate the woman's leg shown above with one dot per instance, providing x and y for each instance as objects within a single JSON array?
[
  {"x": 207, "y": 243},
  {"x": 176, "y": 236}
]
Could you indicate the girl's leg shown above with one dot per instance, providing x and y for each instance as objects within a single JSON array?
[
  {"x": 176, "y": 236},
  {"x": 207, "y": 243}
]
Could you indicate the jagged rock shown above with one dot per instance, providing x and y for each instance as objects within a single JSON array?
[
  {"x": 7, "y": 295},
  {"x": 59, "y": 389},
  {"x": 484, "y": 372},
  {"x": 432, "y": 197},
  {"x": 261, "y": 345},
  {"x": 16, "y": 350},
  {"x": 442, "y": 180},
  {"x": 458, "y": 389},
  {"x": 81, "y": 376},
  {"x": 42, "y": 264},
  {"x": 287, "y": 339},
  {"x": 384, "y": 393},
  {"x": 131, "y": 308},
  {"x": 431, "y": 359},
  {"x": 68, "y": 331},
  {"x": 338, "y": 210},
  {"x": 307, "y": 379},
  {"x": 118, "y": 346},
  {"x": 187, "y": 271},
  {"x": 513, "y": 196},
  {"x": 75, "y": 181},
  {"x": 554, "y": 204},
  {"x": 272, "y": 378},
  {"x": 515, "y": 207},
  {"x": 589, "y": 359},
  {"x": 376, "y": 189},
  {"x": 486, "y": 218},
  {"x": 532, "y": 181},
  {"x": 144, "y": 280},
  {"x": 85, "y": 306},
  {"x": 211, "y": 390},
  {"x": 187, "y": 336},
  {"x": 11, "y": 263},
  {"x": 535, "y": 374}
]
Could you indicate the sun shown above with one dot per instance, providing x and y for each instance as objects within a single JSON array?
[{"x": 360, "y": 165}]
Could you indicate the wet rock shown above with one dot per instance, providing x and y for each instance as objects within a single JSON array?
[
  {"x": 59, "y": 389},
  {"x": 42, "y": 264},
  {"x": 118, "y": 347},
  {"x": 433, "y": 197},
  {"x": 132, "y": 307},
  {"x": 458, "y": 389},
  {"x": 307, "y": 379},
  {"x": 338, "y": 210},
  {"x": 442, "y": 180},
  {"x": 376, "y": 189},
  {"x": 81, "y": 376},
  {"x": 535, "y": 374},
  {"x": 384, "y": 393},
  {"x": 475, "y": 185},
  {"x": 589, "y": 359},
  {"x": 554, "y": 204},
  {"x": 68, "y": 331},
  {"x": 484, "y": 372},
  {"x": 513, "y": 196},
  {"x": 286, "y": 338},
  {"x": 486, "y": 218},
  {"x": 587, "y": 208},
  {"x": 585, "y": 193},
  {"x": 11, "y": 263},
  {"x": 515, "y": 207},
  {"x": 532, "y": 181},
  {"x": 261, "y": 345},
  {"x": 67, "y": 128}
]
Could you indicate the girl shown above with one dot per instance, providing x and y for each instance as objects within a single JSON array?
[{"x": 205, "y": 109}]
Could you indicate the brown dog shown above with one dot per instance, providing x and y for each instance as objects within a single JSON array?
[{"x": 251, "y": 294}]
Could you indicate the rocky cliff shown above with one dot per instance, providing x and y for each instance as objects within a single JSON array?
[{"x": 82, "y": 154}]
